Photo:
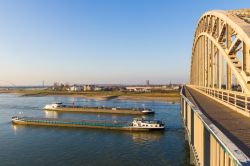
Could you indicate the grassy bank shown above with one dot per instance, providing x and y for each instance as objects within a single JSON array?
[{"x": 172, "y": 96}]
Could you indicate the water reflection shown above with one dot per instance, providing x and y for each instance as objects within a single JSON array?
[
  {"x": 14, "y": 127},
  {"x": 51, "y": 114},
  {"x": 17, "y": 128},
  {"x": 146, "y": 137}
]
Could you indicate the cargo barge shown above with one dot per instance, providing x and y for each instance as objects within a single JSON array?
[
  {"x": 135, "y": 125},
  {"x": 60, "y": 107}
]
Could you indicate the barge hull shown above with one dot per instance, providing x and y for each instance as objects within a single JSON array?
[
  {"x": 107, "y": 111},
  {"x": 80, "y": 126}
]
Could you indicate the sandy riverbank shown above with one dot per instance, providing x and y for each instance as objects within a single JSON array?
[{"x": 172, "y": 96}]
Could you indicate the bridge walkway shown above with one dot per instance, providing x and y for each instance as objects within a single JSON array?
[{"x": 234, "y": 125}]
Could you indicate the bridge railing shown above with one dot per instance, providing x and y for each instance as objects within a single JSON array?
[
  {"x": 198, "y": 127},
  {"x": 235, "y": 100}
]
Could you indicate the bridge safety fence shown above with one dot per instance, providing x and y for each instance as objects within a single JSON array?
[{"x": 236, "y": 100}]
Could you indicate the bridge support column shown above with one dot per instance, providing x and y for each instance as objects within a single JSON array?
[
  {"x": 198, "y": 62},
  {"x": 246, "y": 59},
  {"x": 222, "y": 72},
  {"x": 218, "y": 82},
  {"x": 229, "y": 78},
  {"x": 229, "y": 71},
  {"x": 207, "y": 63},
  {"x": 203, "y": 62},
  {"x": 219, "y": 58},
  {"x": 212, "y": 64}
]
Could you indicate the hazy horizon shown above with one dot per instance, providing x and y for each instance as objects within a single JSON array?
[
  {"x": 99, "y": 42},
  {"x": 4, "y": 83}
]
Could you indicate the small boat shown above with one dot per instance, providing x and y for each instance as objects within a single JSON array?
[
  {"x": 91, "y": 109},
  {"x": 53, "y": 106},
  {"x": 148, "y": 124},
  {"x": 135, "y": 125}
]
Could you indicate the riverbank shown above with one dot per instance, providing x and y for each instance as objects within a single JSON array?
[{"x": 169, "y": 96}]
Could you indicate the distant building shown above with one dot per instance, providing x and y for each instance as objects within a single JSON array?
[
  {"x": 175, "y": 87},
  {"x": 152, "y": 88},
  {"x": 75, "y": 88},
  {"x": 88, "y": 87},
  {"x": 147, "y": 82},
  {"x": 98, "y": 88},
  {"x": 138, "y": 89}
]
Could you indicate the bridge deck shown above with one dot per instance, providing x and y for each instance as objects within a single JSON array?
[{"x": 234, "y": 125}]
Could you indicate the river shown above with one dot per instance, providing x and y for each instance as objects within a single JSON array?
[{"x": 58, "y": 146}]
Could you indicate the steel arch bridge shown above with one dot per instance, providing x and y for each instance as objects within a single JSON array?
[
  {"x": 220, "y": 63},
  {"x": 215, "y": 106}
]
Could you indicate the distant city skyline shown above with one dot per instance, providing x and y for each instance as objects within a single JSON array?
[
  {"x": 100, "y": 42},
  {"x": 43, "y": 84}
]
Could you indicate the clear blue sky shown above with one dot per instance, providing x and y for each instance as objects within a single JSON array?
[{"x": 100, "y": 41}]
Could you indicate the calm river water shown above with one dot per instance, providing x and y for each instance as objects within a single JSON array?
[{"x": 43, "y": 146}]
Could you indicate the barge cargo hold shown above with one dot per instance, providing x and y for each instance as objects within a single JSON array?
[
  {"x": 135, "y": 125},
  {"x": 88, "y": 109}
]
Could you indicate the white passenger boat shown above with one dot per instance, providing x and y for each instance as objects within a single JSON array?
[
  {"x": 53, "y": 106},
  {"x": 148, "y": 124}
]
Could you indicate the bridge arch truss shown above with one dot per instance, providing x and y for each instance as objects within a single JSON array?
[{"x": 221, "y": 51}]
